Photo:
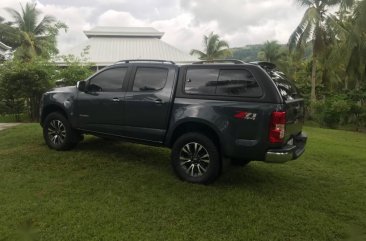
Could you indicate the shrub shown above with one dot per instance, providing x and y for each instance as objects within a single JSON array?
[
  {"x": 24, "y": 83},
  {"x": 339, "y": 110},
  {"x": 76, "y": 68},
  {"x": 325, "y": 114}
]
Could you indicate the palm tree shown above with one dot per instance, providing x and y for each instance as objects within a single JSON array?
[
  {"x": 271, "y": 51},
  {"x": 38, "y": 38},
  {"x": 353, "y": 45},
  {"x": 8, "y": 34},
  {"x": 314, "y": 28},
  {"x": 214, "y": 48}
]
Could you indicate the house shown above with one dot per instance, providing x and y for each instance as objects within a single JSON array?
[
  {"x": 4, "y": 50},
  {"x": 107, "y": 45}
]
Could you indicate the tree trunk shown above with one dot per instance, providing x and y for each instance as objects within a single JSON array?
[
  {"x": 313, "y": 80},
  {"x": 34, "y": 107},
  {"x": 357, "y": 85},
  {"x": 346, "y": 83}
]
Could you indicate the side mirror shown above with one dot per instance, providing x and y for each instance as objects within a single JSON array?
[{"x": 81, "y": 85}]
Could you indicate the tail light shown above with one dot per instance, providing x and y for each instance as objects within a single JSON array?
[{"x": 277, "y": 127}]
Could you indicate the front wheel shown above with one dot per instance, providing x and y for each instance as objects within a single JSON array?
[
  {"x": 195, "y": 158},
  {"x": 58, "y": 133}
]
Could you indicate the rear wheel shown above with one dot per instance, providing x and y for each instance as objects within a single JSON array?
[
  {"x": 195, "y": 158},
  {"x": 58, "y": 133}
]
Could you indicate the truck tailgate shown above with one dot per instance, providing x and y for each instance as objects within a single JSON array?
[{"x": 295, "y": 115}]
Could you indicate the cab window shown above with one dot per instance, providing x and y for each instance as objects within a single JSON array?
[
  {"x": 108, "y": 80},
  {"x": 150, "y": 79}
]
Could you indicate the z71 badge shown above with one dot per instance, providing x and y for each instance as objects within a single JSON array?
[{"x": 242, "y": 115}]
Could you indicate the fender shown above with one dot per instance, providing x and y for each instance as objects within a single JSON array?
[
  {"x": 194, "y": 121},
  {"x": 60, "y": 99}
]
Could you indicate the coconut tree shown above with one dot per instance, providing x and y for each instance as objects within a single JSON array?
[
  {"x": 271, "y": 51},
  {"x": 354, "y": 44},
  {"x": 348, "y": 55},
  {"x": 37, "y": 37},
  {"x": 214, "y": 48},
  {"x": 314, "y": 29},
  {"x": 8, "y": 34}
]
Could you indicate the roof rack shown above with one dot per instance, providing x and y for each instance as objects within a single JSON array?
[
  {"x": 127, "y": 61},
  {"x": 234, "y": 61}
]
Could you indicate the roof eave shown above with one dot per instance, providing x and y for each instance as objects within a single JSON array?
[
  {"x": 90, "y": 34},
  {"x": 4, "y": 46}
]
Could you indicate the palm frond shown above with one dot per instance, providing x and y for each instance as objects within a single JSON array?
[
  {"x": 347, "y": 4},
  {"x": 296, "y": 36},
  {"x": 30, "y": 16},
  {"x": 197, "y": 52},
  {"x": 304, "y": 31},
  {"x": 18, "y": 19},
  {"x": 222, "y": 44},
  {"x": 222, "y": 54},
  {"x": 44, "y": 25},
  {"x": 306, "y": 2}
]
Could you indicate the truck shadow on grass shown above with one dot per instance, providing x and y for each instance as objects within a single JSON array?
[
  {"x": 125, "y": 151},
  {"x": 257, "y": 176}
]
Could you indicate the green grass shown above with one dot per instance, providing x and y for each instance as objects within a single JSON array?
[{"x": 119, "y": 191}]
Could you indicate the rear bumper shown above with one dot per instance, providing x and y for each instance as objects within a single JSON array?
[{"x": 288, "y": 152}]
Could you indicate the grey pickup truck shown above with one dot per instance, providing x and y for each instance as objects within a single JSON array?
[{"x": 205, "y": 112}]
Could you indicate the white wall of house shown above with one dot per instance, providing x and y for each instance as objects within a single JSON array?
[{"x": 5, "y": 50}]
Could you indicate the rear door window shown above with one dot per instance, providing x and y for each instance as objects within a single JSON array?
[
  {"x": 150, "y": 79},
  {"x": 237, "y": 83}
]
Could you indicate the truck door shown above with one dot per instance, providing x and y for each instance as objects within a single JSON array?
[
  {"x": 148, "y": 101},
  {"x": 101, "y": 107}
]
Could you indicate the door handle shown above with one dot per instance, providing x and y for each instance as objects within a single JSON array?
[
  {"x": 115, "y": 99},
  {"x": 158, "y": 101}
]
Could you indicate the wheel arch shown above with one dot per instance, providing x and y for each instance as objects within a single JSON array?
[
  {"x": 50, "y": 109},
  {"x": 195, "y": 126}
]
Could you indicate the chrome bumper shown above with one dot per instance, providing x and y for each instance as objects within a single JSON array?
[{"x": 288, "y": 152}]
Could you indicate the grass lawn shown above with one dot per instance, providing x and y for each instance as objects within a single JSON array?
[{"x": 119, "y": 191}]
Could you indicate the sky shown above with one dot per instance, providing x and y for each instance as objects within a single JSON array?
[{"x": 240, "y": 22}]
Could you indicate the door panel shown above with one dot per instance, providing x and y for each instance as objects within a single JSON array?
[
  {"x": 147, "y": 109},
  {"x": 101, "y": 107},
  {"x": 100, "y": 112}
]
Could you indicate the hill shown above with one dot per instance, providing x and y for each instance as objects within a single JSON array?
[{"x": 248, "y": 53}]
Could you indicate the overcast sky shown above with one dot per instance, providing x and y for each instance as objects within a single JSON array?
[{"x": 184, "y": 22}]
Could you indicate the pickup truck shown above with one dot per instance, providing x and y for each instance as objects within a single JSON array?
[{"x": 204, "y": 112}]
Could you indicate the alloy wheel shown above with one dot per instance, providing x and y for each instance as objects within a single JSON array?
[
  {"x": 194, "y": 159},
  {"x": 56, "y": 132}
]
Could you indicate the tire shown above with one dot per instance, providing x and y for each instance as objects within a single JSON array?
[
  {"x": 195, "y": 158},
  {"x": 58, "y": 134}
]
